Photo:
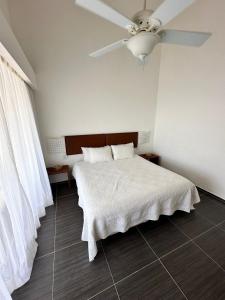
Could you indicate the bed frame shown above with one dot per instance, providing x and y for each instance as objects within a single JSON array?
[{"x": 75, "y": 142}]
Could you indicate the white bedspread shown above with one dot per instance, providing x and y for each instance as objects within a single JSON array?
[{"x": 120, "y": 194}]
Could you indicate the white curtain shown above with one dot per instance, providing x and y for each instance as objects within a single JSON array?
[{"x": 24, "y": 185}]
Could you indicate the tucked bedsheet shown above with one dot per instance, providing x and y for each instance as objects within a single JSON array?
[{"x": 120, "y": 194}]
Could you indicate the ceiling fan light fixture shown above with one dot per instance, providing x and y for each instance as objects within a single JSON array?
[
  {"x": 142, "y": 58},
  {"x": 145, "y": 27},
  {"x": 142, "y": 45}
]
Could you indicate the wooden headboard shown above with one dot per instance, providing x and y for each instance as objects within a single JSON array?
[{"x": 75, "y": 142}]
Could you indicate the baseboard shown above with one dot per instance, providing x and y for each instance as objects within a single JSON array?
[{"x": 212, "y": 195}]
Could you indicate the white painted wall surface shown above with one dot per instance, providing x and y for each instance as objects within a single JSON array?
[
  {"x": 5, "y": 9},
  {"x": 78, "y": 94},
  {"x": 190, "y": 123}
]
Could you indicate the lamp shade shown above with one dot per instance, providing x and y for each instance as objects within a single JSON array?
[{"x": 143, "y": 43}]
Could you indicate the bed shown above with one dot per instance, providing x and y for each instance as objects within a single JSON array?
[{"x": 120, "y": 194}]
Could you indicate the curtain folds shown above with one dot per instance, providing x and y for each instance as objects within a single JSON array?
[{"x": 24, "y": 185}]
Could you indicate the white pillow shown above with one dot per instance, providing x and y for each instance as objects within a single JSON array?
[
  {"x": 100, "y": 154},
  {"x": 86, "y": 153},
  {"x": 123, "y": 151}
]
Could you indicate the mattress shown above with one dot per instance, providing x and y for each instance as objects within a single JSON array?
[{"x": 120, "y": 194}]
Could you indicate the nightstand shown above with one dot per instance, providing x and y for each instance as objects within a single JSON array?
[
  {"x": 154, "y": 158},
  {"x": 52, "y": 171}
]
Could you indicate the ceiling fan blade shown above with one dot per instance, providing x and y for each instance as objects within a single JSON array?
[
  {"x": 186, "y": 38},
  {"x": 109, "y": 48},
  {"x": 101, "y": 9},
  {"x": 169, "y": 9}
]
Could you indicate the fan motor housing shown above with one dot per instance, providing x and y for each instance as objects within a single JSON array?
[
  {"x": 142, "y": 18},
  {"x": 144, "y": 22}
]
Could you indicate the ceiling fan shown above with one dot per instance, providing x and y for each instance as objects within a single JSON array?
[{"x": 145, "y": 28}]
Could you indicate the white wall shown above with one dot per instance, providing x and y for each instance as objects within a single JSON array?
[
  {"x": 5, "y": 9},
  {"x": 8, "y": 39},
  {"x": 78, "y": 94},
  {"x": 190, "y": 123}
]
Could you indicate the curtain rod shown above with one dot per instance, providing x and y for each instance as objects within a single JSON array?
[
  {"x": 8, "y": 65},
  {"x": 7, "y": 58}
]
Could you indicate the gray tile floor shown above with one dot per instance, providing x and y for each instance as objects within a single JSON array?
[{"x": 177, "y": 257}]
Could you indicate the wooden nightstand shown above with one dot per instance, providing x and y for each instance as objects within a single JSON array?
[
  {"x": 154, "y": 158},
  {"x": 59, "y": 170}
]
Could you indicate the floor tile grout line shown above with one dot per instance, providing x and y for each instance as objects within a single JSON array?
[
  {"x": 46, "y": 221},
  {"x": 173, "y": 279},
  {"x": 219, "y": 227},
  {"x": 182, "y": 245},
  {"x": 56, "y": 251},
  {"x": 204, "y": 217},
  {"x": 131, "y": 274},
  {"x": 110, "y": 270},
  {"x": 158, "y": 259},
  {"x": 53, "y": 265},
  {"x": 215, "y": 225},
  {"x": 44, "y": 255},
  {"x": 163, "y": 256},
  {"x": 135, "y": 272},
  {"x": 197, "y": 236},
  {"x": 110, "y": 286},
  {"x": 209, "y": 256},
  {"x": 193, "y": 241},
  {"x": 190, "y": 239},
  {"x": 138, "y": 270},
  {"x": 141, "y": 234},
  {"x": 201, "y": 234},
  {"x": 143, "y": 266},
  {"x": 71, "y": 245}
]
